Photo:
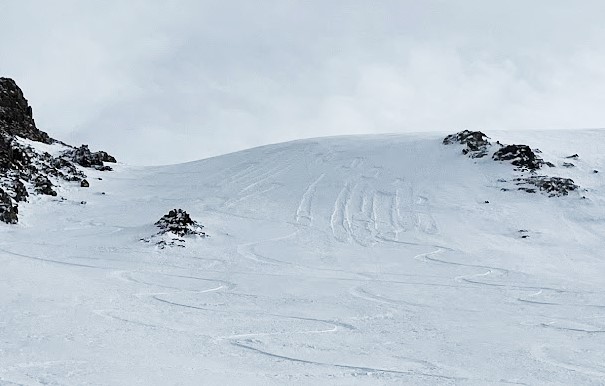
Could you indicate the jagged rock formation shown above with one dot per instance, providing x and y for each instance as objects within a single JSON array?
[
  {"x": 25, "y": 170},
  {"x": 521, "y": 156},
  {"x": 173, "y": 227},
  {"x": 476, "y": 143},
  {"x": 84, "y": 157},
  {"x": 525, "y": 160},
  {"x": 16, "y": 118}
]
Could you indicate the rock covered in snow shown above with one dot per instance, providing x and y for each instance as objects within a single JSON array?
[
  {"x": 519, "y": 155},
  {"x": 554, "y": 186},
  {"x": 84, "y": 157},
  {"x": 8, "y": 209},
  {"x": 42, "y": 185},
  {"x": 476, "y": 143},
  {"x": 179, "y": 222},
  {"x": 174, "y": 226},
  {"x": 22, "y": 166}
]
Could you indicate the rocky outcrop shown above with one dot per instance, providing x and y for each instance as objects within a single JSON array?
[
  {"x": 174, "y": 227},
  {"x": 84, "y": 157},
  {"x": 16, "y": 116},
  {"x": 179, "y": 223},
  {"x": 26, "y": 170},
  {"x": 521, "y": 156},
  {"x": 476, "y": 144}
]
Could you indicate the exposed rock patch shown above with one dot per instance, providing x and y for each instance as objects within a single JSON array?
[
  {"x": 521, "y": 156},
  {"x": 8, "y": 209},
  {"x": 84, "y": 157},
  {"x": 553, "y": 186},
  {"x": 174, "y": 227},
  {"x": 476, "y": 144}
]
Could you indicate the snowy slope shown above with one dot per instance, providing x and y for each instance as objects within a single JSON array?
[{"x": 369, "y": 260}]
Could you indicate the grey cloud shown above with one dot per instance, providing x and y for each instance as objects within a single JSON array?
[{"x": 200, "y": 78}]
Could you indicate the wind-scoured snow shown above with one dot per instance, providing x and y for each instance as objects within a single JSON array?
[{"x": 348, "y": 260}]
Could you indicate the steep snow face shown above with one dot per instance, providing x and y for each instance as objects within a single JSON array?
[{"x": 372, "y": 260}]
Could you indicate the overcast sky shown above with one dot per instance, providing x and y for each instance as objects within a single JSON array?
[{"x": 166, "y": 81}]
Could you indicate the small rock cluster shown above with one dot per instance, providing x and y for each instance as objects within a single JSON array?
[
  {"x": 553, "y": 186},
  {"x": 174, "y": 226},
  {"x": 25, "y": 170},
  {"x": 526, "y": 161}
]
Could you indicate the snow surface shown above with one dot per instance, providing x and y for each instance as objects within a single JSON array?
[{"x": 348, "y": 260}]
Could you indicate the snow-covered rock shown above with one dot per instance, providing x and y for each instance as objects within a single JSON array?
[{"x": 24, "y": 159}]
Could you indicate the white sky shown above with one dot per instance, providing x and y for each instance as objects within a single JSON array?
[{"x": 169, "y": 81}]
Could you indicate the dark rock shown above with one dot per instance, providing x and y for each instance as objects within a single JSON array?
[
  {"x": 19, "y": 190},
  {"x": 42, "y": 185},
  {"x": 179, "y": 222},
  {"x": 568, "y": 165},
  {"x": 16, "y": 115},
  {"x": 528, "y": 190},
  {"x": 549, "y": 164},
  {"x": 84, "y": 184},
  {"x": 84, "y": 157},
  {"x": 575, "y": 156},
  {"x": 595, "y": 171},
  {"x": 476, "y": 143},
  {"x": 486, "y": 202},
  {"x": 11, "y": 156},
  {"x": 519, "y": 155},
  {"x": 554, "y": 186},
  {"x": 8, "y": 210}
]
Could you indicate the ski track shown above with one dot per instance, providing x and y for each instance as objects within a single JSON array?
[
  {"x": 361, "y": 293},
  {"x": 369, "y": 370},
  {"x": 303, "y": 212}
]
